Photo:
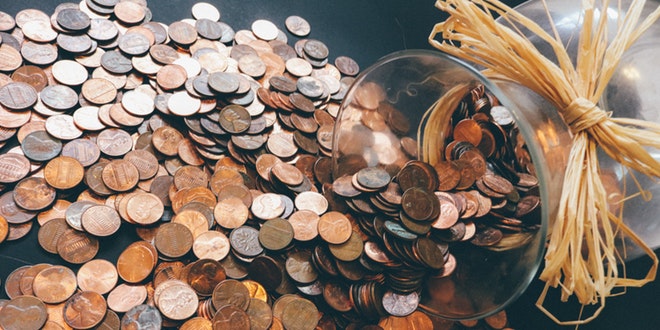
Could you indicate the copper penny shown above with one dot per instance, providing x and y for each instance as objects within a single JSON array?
[
  {"x": 120, "y": 175},
  {"x": 234, "y": 119},
  {"x": 260, "y": 314},
  {"x": 124, "y": 297},
  {"x": 231, "y": 213},
  {"x": 54, "y": 284},
  {"x": 173, "y": 240},
  {"x": 41, "y": 146},
  {"x": 211, "y": 245},
  {"x": 13, "y": 167},
  {"x": 100, "y": 220},
  {"x": 166, "y": 140},
  {"x": 23, "y": 312},
  {"x": 64, "y": 172},
  {"x": 300, "y": 314},
  {"x": 297, "y": 25},
  {"x": 334, "y": 228},
  {"x": 268, "y": 206},
  {"x": 276, "y": 234},
  {"x": 231, "y": 317},
  {"x": 97, "y": 275},
  {"x": 77, "y": 247},
  {"x": 85, "y": 310},
  {"x": 305, "y": 225},
  {"x": 204, "y": 275},
  {"x": 4, "y": 229},
  {"x": 33, "y": 194},
  {"x": 145, "y": 209},
  {"x": 177, "y": 302},
  {"x": 83, "y": 150},
  {"x": 135, "y": 263}
]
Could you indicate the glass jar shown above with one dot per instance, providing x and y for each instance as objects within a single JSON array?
[{"x": 408, "y": 84}]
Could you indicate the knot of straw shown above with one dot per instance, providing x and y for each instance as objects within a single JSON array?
[{"x": 582, "y": 114}]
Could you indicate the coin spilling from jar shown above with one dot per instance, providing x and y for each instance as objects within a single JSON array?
[{"x": 213, "y": 146}]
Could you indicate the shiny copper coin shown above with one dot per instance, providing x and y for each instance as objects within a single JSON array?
[
  {"x": 120, "y": 175},
  {"x": 268, "y": 206},
  {"x": 177, "y": 302},
  {"x": 166, "y": 140},
  {"x": 97, "y": 275},
  {"x": 33, "y": 194},
  {"x": 85, "y": 310},
  {"x": 4, "y": 229},
  {"x": 27, "y": 279},
  {"x": 124, "y": 297},
  {"x": 204, "y": 275},
  {"x": 23, "y": 312},
  {"x": 287, "y": 174},
  {"x": 305, "y": 225},
  {"x": 145, "y": 209},
  {"x": 334, "y": 228},
  {"x": 135, "y": 263},
  {"x": 211, "y": 245},
  {"x": 100, "y": 220},
  {"x": 54, "y": 284},
  {"x": 63, "y": 172}
]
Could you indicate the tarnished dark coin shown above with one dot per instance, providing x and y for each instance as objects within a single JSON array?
[
  {"x": 234, "y": 119},
  {"x": 231, "y": 317},
  {"x": 18, "y": 95},
  {"x": 347, "y": 65},
  {"x": 245, "y": 241},
  {"x": 373, "y": 177},
  {"x": 487, "y": 237}
]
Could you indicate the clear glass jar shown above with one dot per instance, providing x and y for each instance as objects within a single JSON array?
[{"x": 485, "y": 280}]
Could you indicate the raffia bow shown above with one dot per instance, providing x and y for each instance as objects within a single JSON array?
[{"x": 581, "y": 257}]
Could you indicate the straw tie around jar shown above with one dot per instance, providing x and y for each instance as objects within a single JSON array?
[{"x": 584, "y": 219}]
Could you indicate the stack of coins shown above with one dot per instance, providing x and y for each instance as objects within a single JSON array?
[{"x": 213, "y": 146}]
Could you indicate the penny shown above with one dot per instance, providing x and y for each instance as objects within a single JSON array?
[
  {"x": 231, "y": 292},
  {"x": 259, "y": 314},
  {"x": 299, "y": 267},
  {"x": 347, "y": 66},
  {"x": 182, "y": 33},
  {"x": 211, "y": 245},
  {"x": 115, "y": 62},
  {"x": 300, "y": 314},
  {"x": 100, "y": 220},
  {"x": 33, "y": 194},
  {"x": 204, "y": 10},
  {"x": 18, "y": 95},
  {"x": 59, "y": 97},
  {"x": 13, "y": 167},
  {"x": 85, "y": 310},
  {"x": 85, "y": 151},
  {"x": 171, "y": 76},
  {"x": 234, "y": 119},
  {"x": 120, "y": 175},
  {"x": 4, "y": 229},
  {"x": 297, "y": 25},
  {"x": 54, "y": 284},
  {"x": 334, "y": 228},
  {"x": 231, "y": 317},
  {"x": 177, "y": 302},
  {"x": 129, "y": 12},
  {"x": 145, "y": 209},
  {"x": 69, "y": 72},
  {"x": 231, "y": 213},
  {"x": 99, "y": 91},
  {"x": 276, "y": 234},
  {"x": 281, "y": 145},
  {"x": 173, "y": 240},
  {"x": 337, "y": 296},
  {"x": 23, "y": 312},
  {"x": 76, "y": 247},
  {"x": 166, "y": 140},
  {"x": 373, "y": 177},
  {"x": 124, "y": 297},
  {"x": 63, "y": 172},
  {"x": 245, "y": 241},
  {"x": 487, "y": 237},
  {"x": 142, "y": 317},
  {"x": 135, "y": 263},
  {"x": 97, "y": 275}
]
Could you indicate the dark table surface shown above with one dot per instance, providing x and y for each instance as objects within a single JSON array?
[{"x": 365, "y": 30}]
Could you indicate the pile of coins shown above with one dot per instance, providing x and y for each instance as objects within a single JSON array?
[{"x": 213, "y": 146}]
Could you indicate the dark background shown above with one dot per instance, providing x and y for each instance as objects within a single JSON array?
[{"x": 365, "y": 30}]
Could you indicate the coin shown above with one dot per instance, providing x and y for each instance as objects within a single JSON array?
[
  {"x": 232, "y": 317},
  {"x": 54, "y": 284},
  {"x": 97, "y": 275},
  {"x": 334, "y": 228},
  {"x": 85, "y": 310},
  {"x": 141, "y": 317},
  {"x": 23, "y": 312},
  {"x": 124, "y": 297}
]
